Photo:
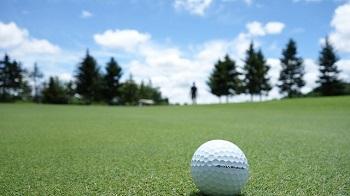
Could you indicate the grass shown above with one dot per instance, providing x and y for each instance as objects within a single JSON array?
[{"x": 294, "y": 147}]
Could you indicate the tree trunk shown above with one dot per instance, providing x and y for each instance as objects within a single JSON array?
[
  {"x": 220, "y": 99},
  {"x": 260, "y": 97},
  {"x": 227, "y": 99},
  {"x": 251, "y": 97}
]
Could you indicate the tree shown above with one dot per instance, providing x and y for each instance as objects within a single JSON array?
[
  {"x": 147, "y": 91},
  {"x": 263, "y": 68},
  {"x": 70, "y": 90},
  {"x": 329, "y": 84},
  {"x": 251, "y": 82},
  {"x": 129, "y": 92},
  {"x": 256, "y": 81},
  {"x": 215, "y": 80},
  {"x": 54, "y": 92},
  {"x": 224, "y": 80},
  {"x": 11, "y": 79},
  {"x": 36, "y": 75},
  {"x": 291, "y": 75},
  {"x": 112, "y": 81},
  {"x": 88, "y": 79}
]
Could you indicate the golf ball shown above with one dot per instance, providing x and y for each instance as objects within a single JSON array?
[{"x": 219, "y": 167}]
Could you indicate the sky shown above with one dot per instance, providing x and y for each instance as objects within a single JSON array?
[{"x": 172, "y": 43}]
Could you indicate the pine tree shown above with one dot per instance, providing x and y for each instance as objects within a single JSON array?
[
  {"x": 129, "y": 92},
  {"x": 36, "y": 75},
  {"x": 70, "y": 90},
  {"x": 11, "y": 79},
  {"x": 4, "y": 77},
  {"x": 147, "y": 91},
  {"x": 251, "y": 82},
  {"x": 54, "y": 92},
  {"x": 233, "y": 82},
  {"x": 215, "y": 80},
  {"x": 112, "y": 81},
  {"x": 329, "y": 84},
  {"x": 256, "y": 80},
  {"x": 291, "y": 75},
  {"x": 88, "y": 79},
  {"x": 224, "y": 80},
  {"x": 264, "y": 85}
]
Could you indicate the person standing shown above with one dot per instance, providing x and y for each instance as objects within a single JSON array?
[{"x": 194, "y": 93}]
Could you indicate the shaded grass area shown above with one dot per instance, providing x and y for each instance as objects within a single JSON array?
[{"x": 294, "y": 147}]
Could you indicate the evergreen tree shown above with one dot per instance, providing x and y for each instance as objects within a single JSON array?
[
  {"x": 54, "y": 92},
  {"x": 129, "y": 92},
  {"x": 4, "y": 76},
  {"x": 233, "y": 82},
  {"x": 11, "y": 79},
  {"x": 70, "y": 90},
  {"x": 26, "y": 91},
  {"x": 251, "y": 81},
  {"x": 147, "y": 91},
  {"x": 329, "y": 83},
  {"x": 224, "y": 80},
  {"x": 291, "y": 75},
  {"x": 112, "y": 81},
  {"x": 36, "y": 75},
  {"x": 215, "y": 80},
  {"x": 88, "y": 79},
  {"x": 264, "y": 85},
  {"x": 256, "y": 81}
]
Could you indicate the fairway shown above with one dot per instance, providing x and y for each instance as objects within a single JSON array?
[{"x": 294, "y": 147}]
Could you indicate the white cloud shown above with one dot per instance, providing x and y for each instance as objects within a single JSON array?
[
  {"x": 86, "y": 14},
  {"x": 344, "y": 66},
  {"x": 196, "y": 7},
  {"x": 127, "y": 39},
  {"x": 256, "y": 28},
  {"x": 35, "y": 46},
  {"x": 18, "y": 42},
  {"x": 170, "y": 70},
  {"x": 340, "y": 36},
  {"x": 311, "y": 75},
  {"x": 274, "y": 27},
  {"x": 11, "y": 35}
]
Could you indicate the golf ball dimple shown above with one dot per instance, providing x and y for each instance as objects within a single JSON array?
[{"x": 219, "y": 167}]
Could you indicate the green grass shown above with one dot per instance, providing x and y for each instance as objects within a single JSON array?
[{"x": 294, "y": 147}]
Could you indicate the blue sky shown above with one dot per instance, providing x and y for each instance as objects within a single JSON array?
[{"x": 171, "y": 42}]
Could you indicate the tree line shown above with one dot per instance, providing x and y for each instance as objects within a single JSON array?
[
  {"x": 89, "y": 86},
  {"x": 227, "y": 80}
]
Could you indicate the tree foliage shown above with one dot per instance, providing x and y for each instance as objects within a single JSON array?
[
  {"x": 112, "y": 82},
  {"x": 129, "y": 92},
  {"x": 88, "y": 80},
  {"x": 329, "y": 83},
  {"x": 291, "y": 75},
  {"x": 36, "y": 75},
  {"x": 147, "y": 91},
  {"x": 256, "y": 80},
  {"x": 224, "y": 79},
  {"x": 11, "y": 79},
  {"x": 54, "y": 92}
]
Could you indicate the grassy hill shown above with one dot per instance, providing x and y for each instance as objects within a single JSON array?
[{"x": 294, "y": 147}]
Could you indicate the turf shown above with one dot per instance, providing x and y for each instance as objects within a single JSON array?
[{"x": 294, "y": 147}]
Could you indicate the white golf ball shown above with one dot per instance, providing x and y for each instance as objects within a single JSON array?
[{"x": 219, "y": 167}]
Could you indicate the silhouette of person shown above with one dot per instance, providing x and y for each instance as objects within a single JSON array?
[{"x": 194, "y": 93}]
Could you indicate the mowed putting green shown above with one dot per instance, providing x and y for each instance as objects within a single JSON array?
[{"x": 294, "y": 147}]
